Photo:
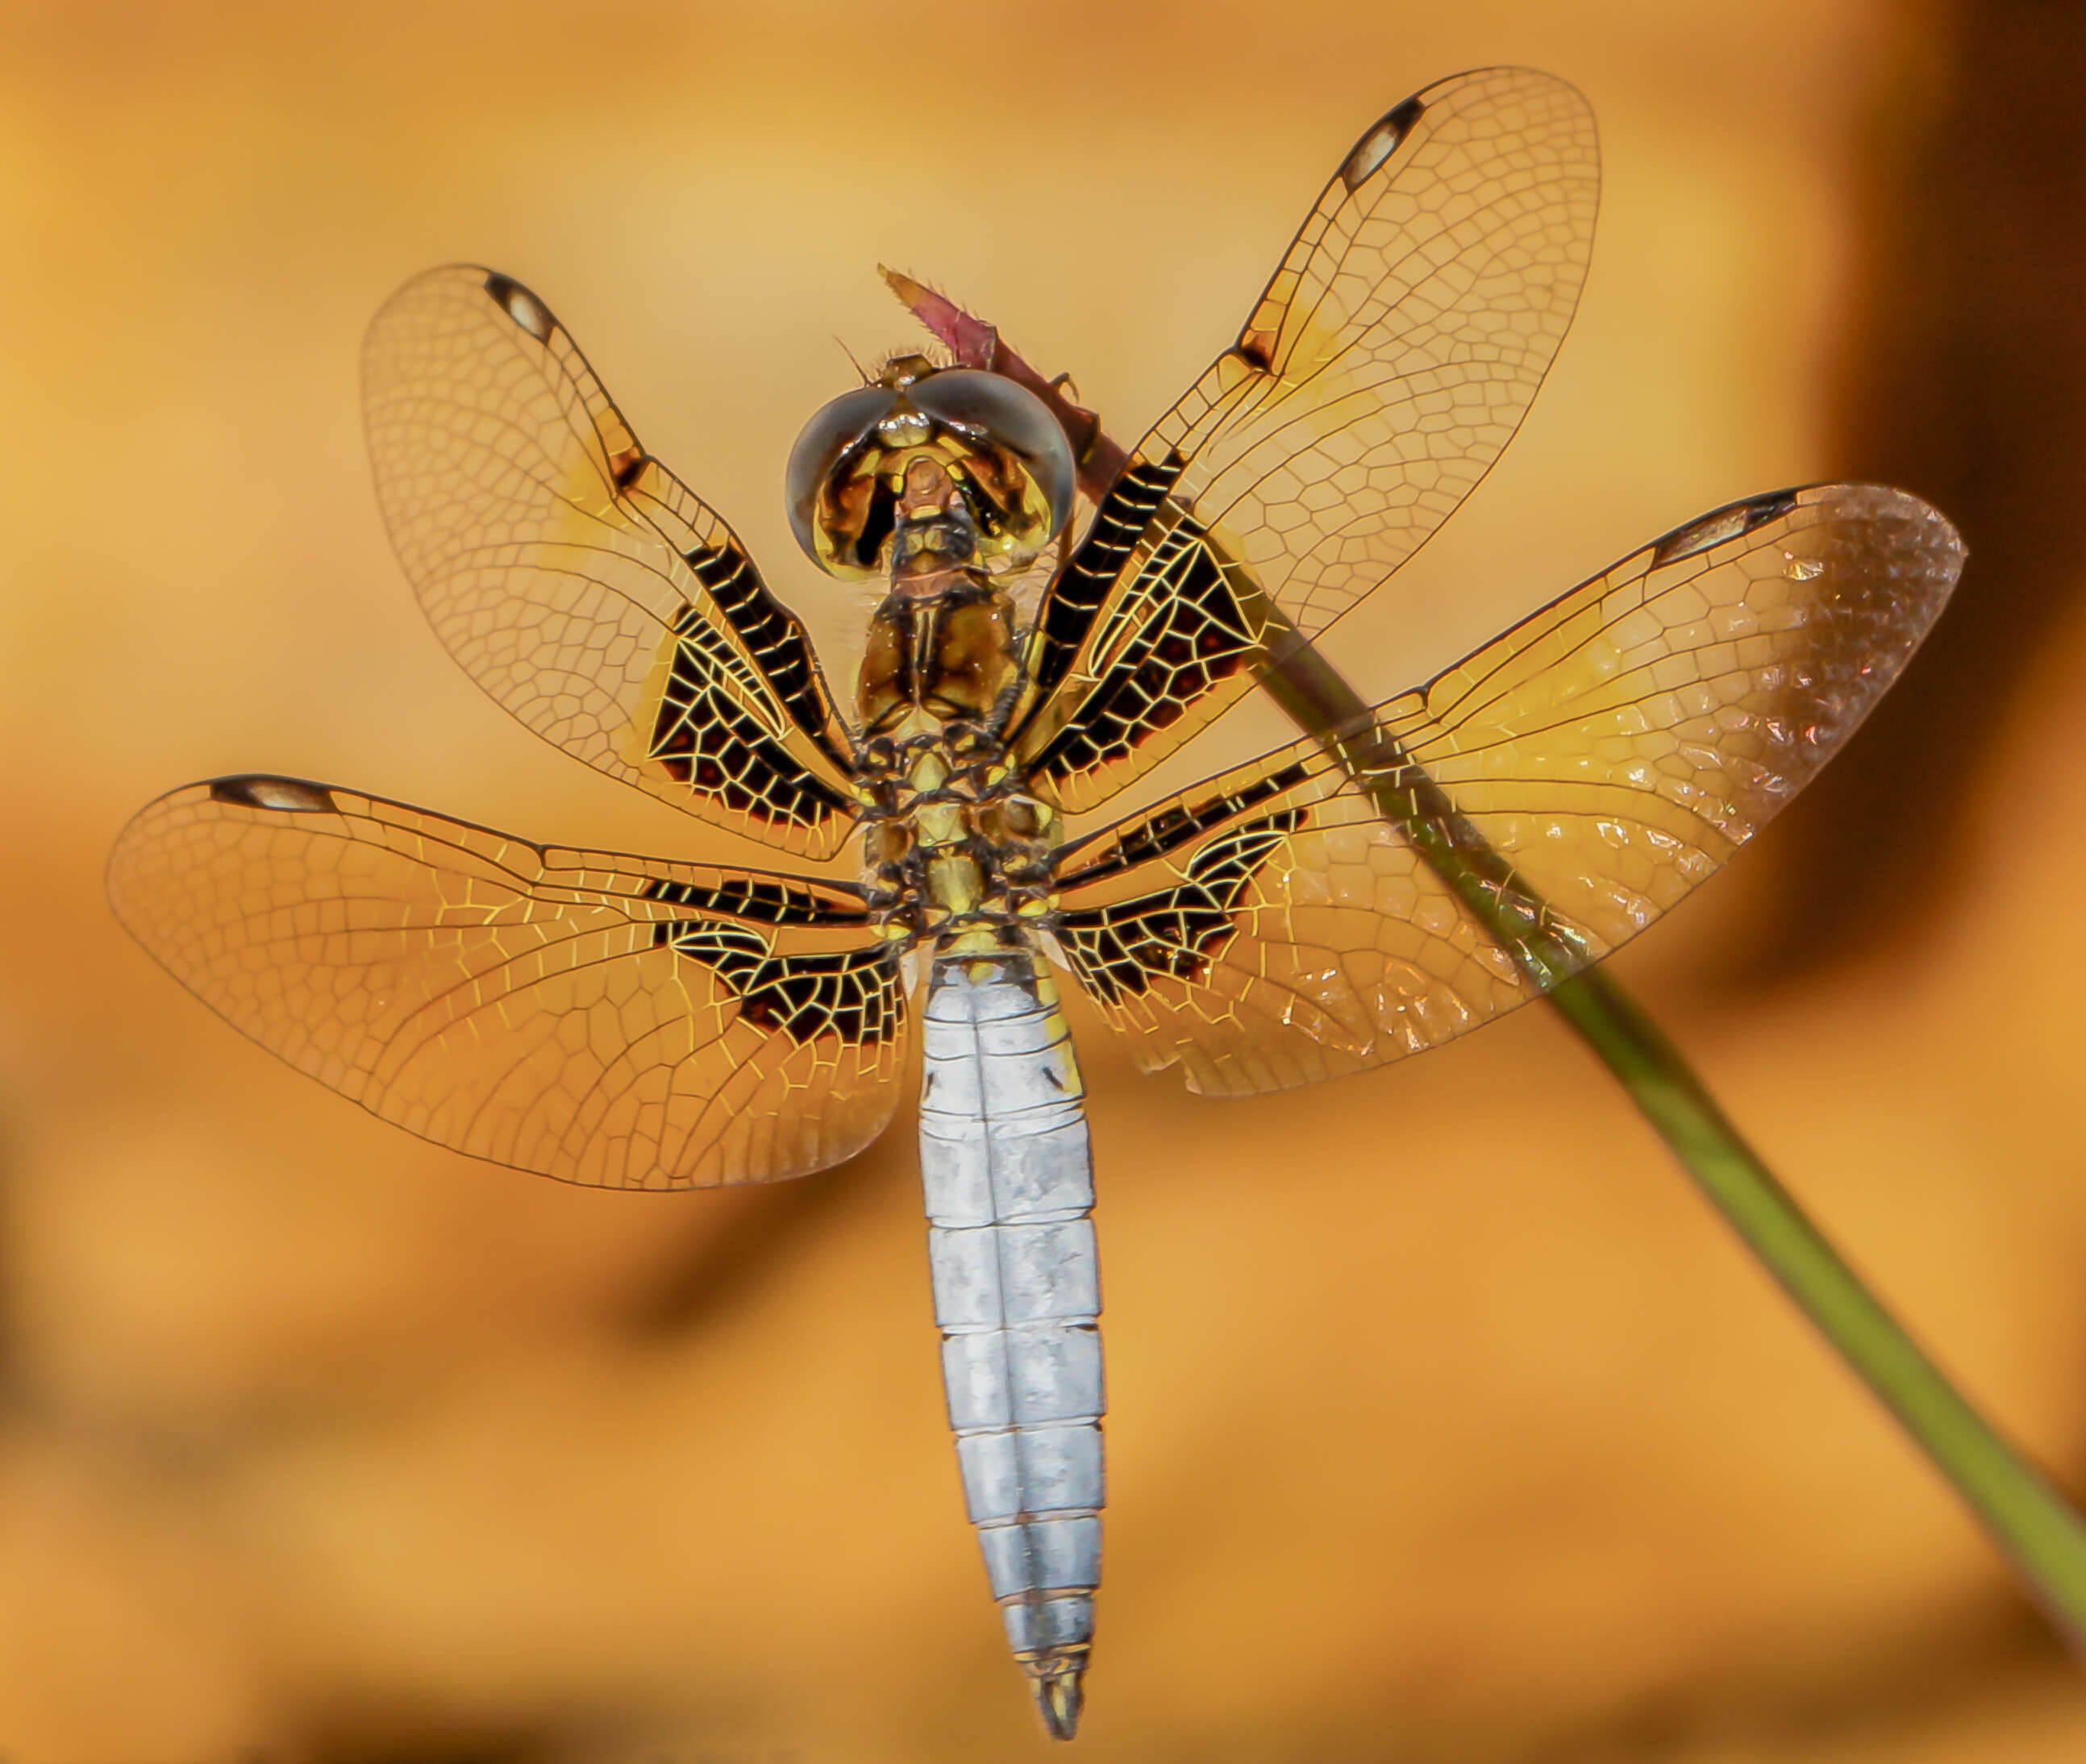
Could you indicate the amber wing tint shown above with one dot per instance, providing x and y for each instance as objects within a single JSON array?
[
  {"x": 1390, "y": 359},
  {"x": 577, "y": 580},
  {"x": 1272, "y": 926},
  {"x": 614, "y": 1021}
]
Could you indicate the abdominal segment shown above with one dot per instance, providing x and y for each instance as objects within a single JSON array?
[{"x": 1009, "y": 1181}]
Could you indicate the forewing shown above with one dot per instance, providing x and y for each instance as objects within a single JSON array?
[
  {"x": 580, "y": 583},
  {"x": 1283, "y": 923},
  {"x": 620, "y": 1022},
  {"x": 1391, "y": 358}
]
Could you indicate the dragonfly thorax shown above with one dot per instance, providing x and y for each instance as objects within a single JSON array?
[
  {"x": 936, "y": 478},
  {"x": 955, "y": 844},
  {"x": 940, "y": 651}
]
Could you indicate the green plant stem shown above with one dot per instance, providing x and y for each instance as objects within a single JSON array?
[{"x": 2038, "y": 1529}]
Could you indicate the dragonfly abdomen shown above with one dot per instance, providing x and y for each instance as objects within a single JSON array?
[{"x": 1009, "y": 1181}]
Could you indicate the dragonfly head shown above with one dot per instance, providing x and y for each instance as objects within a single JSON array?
[{"x": 926, "y": 470}]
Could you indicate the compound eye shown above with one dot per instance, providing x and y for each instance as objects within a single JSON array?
[
  {"x": 1012, "y": 437},
  {"x": 825, "y": 481}
]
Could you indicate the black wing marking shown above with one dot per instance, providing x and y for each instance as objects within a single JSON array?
[
  {"x": 578, "y": 581},
  {"x": 1390, "y": 360},
  {"x": 1291, "y": 920},
  {"x": 615, "y": 1021}
]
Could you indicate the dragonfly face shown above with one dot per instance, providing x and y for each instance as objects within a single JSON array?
[
  {"x": 928, "y": 470},
  {"x": 1366, "y": 893}
]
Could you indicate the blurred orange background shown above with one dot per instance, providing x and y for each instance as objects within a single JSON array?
[{"x": 1448, "y": 1424}]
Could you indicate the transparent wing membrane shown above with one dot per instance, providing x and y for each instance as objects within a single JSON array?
[
  {"x": 614, "y": 1021},
  {"x": 1352, "y": 898},
  {"x": 578, "y": 581},
  {"x": 1275, "y": 925},
  {"x": 1390, "y": 360}
]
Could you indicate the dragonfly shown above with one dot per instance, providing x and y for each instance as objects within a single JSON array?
[{"x": 677, "y": 1022}]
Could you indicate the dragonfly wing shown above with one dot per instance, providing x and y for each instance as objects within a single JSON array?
[
  {"x": 620, "y": 1022},
  {"x": 578, "y": 581},
  {"x": 1389, "y": 360},
  {"x": 1586, "y": 769}
]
